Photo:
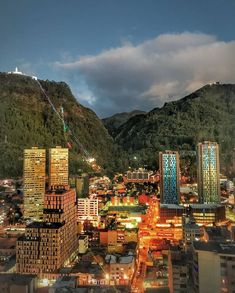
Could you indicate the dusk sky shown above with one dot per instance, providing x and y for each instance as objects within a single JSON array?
[{"x": 121, "y": 55}]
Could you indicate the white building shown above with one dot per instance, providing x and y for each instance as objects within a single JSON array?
[
  {"x": 87, "y": 209},
  {"x": 213, "y": 267},
  {"x": 21, "y": 73},
  {"x": 16, "y": 72}
]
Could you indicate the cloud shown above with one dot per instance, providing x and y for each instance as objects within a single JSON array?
[{"x": 146, "y": 75}]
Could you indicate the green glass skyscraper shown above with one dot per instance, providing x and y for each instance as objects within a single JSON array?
[{"x": 208, "y": 172}]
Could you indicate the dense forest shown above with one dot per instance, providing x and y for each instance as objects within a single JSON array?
[
  {"x": 27, "y": 120},
  {"x": 207, "y": 114}
]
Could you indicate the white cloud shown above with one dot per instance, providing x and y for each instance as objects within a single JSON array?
[{"x": 146, "y": 75}]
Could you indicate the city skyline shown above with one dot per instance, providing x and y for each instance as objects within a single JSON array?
[{"x": 142, "y": 201}]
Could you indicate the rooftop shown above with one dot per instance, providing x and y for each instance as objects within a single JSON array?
[
  {"x": 191, "y": 225},
  {"x": 205, "y": 206},
  {"x": 82, "y": 237},
  {"x": 215, "y": 232},
  {"x": 171, "y": 206},
  {"x": 213, "y": 246},
  {"x": 86, "y": 267},
  {"x": 8, "y": 243},
  {"x": 112, "y": 259},
  {"x": 96, "y": 289},
  {"x": 44, "y": 225},
  {"x": 17, "y": 279},
  {"x": 133, "y": 209}
]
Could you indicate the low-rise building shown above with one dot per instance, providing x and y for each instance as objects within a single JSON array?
[
  {"x": 63, "y": 282},
  {"x": 220, "y": 233},
  {"x": 18, "y": 283},
  {"x": 83, "y": 243},
  {"x": 115, "y": 239},
  {"x": 87, "y": 209},
  {"x": 191, "y": 232},
  {"x": 120, "y": 269},
  {"x": 208, "y": 214}
]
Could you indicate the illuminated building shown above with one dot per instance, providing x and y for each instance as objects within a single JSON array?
[
  {"x": 203, "y": 214},
  {"x": 127, "y": 215},
  {"x": 123, "y": 201},
  {"x": 48, "y": 245},
  {"x": 213, "y": 267},
  {"x": 34, "y": 182},
  {"x": 191, "y": 231},
  {"x": 120, "y": 269},
  {"x": 140, "y": 176},
  {"x": 87, "y": 209},
  {"x": 82, "y": 243},
  {"x": 115, "y": 239},
  {"x": 208, "y": 172},
  {"x": 207, "y": 214},
  {"x": 58, "y": 167},
  {"x": 171, "y": 213},
  {"x": 169, "y": 174},
  {"x": 169, "y": 232}
]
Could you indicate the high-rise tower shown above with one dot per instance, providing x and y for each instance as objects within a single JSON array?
[
  {"x": 34, "y": 182},
  {"x": 48, "y": 245},
  {"x": 58, "y": 167},
  {"x": 169, "y": 172},
  {"x": 208, "y": 172}
]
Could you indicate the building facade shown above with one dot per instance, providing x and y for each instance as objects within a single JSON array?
[
  {"x": 120, "y": 269},
  {"x": 83, "y": 243},
  {"x": 213, "y": 267},
  {"x": 169, "y": 177},
  {"x": 58, "y": 167},
  {"x": 208, "y": 172},
  {"x": 34, "y": 182},
  {"x": 178, "y": 272},
  {"x": 48, "y": 245},
  {"x": 87, "y": 209}
]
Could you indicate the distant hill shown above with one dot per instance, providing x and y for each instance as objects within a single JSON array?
[
  {"x": 27, "y": 120},
  {"x": 114, "y": 122},
  {"x": 207, "y": 114}
]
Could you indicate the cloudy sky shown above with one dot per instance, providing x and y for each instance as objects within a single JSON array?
[{"x": 121, "y": 55}]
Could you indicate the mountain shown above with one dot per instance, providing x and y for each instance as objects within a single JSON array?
[
  {"x": 27, "y": 120},
  {"x": 207, "y": 114},
  {"x": 114, "y": 122}
]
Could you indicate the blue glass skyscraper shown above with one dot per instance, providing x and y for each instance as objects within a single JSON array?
[{"x": 169, "y": 171}]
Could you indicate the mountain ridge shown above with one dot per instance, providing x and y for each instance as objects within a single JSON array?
[
  {"x": 206, "y": 114},
  {"x": 113, "y": 122},
  {"x": 27, "y": 120}
]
